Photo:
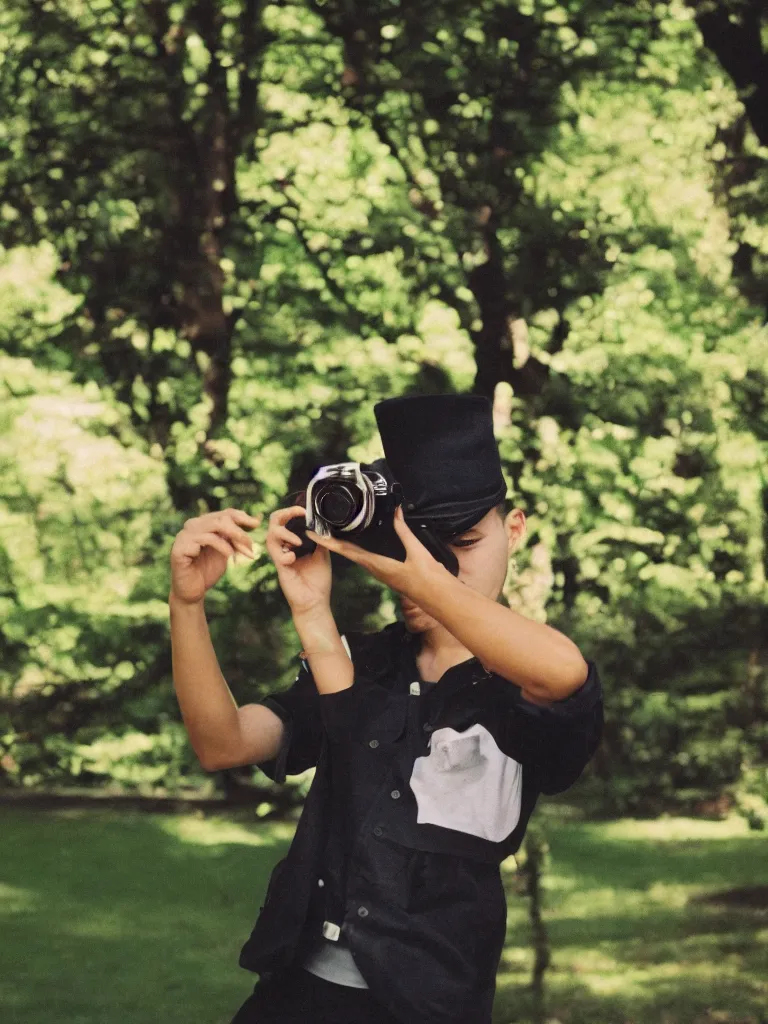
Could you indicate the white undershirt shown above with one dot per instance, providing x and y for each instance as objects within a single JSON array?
[{"x": 333, "y": 961}]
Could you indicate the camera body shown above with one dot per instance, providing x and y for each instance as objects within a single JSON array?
[
  {"x": 347, "y": 498},
  {"x": 357, "y": 501},
  {"x": 353, "y": 501}
]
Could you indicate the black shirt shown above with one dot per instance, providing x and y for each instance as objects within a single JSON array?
[{"x": 419, "y": 794}]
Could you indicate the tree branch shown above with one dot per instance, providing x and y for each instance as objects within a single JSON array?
[{"x": 737, "y": 44}]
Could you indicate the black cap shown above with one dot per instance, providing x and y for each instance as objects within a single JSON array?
[{"x": 442, "y": 450}]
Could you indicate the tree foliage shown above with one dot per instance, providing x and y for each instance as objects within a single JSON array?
[{"x": 230, "y": 228}]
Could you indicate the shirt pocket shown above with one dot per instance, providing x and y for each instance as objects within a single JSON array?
[{"x": 466, "y": 783}]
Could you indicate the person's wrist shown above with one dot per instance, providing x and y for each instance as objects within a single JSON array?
[
  {"x": 321, "y": 640},
  {"x": 178, "y": 606},
  {"x": 176, "y": 602},
  {"x": 311, "y": 614}
]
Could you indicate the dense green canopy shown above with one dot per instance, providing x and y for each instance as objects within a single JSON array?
[{"x": 228, "y": 229}]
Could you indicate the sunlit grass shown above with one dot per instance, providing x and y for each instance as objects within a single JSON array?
[
  {"x": 630, "y": 945},
  {"x": 218, "y": 832},
  {"x": 141, "y": 917}
]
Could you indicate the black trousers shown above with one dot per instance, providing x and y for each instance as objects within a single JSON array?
[{"x": 298, "y": 997}]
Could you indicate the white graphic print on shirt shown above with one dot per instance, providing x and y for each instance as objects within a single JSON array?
[{"x": 467, "y": 783}]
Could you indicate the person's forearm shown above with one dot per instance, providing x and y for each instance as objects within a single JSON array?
[
  {"x": 531, "y": 654},
  {"x": 324, "y": 651},
  {"x": 207, "y": 706}
]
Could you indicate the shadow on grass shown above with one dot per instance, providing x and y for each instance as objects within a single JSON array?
[
  {"x": 110, "y": 916},
  {"x": 630, "y": 942},
  {"x": 676, "y": 1000},
  {"x": 587, "y": 853}
]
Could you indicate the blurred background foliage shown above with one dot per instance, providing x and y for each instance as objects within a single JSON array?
[{"x": 227, "y": 229}]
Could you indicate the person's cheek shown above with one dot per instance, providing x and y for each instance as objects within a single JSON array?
[
  {"x": 482, "y": 574},
  {"x": 468, "y": 572}
]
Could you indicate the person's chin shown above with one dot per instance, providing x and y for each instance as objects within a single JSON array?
[
  {"x": 414, "y": 624},
  {"x": 416, "y": 621}
]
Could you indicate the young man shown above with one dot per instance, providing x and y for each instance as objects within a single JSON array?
[{"x": 432, "y": 740}]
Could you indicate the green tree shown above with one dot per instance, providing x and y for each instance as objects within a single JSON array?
[{"x": 269, "y": 217}]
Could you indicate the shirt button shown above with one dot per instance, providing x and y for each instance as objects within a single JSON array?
[
  {"x": 320, "y": 882},
  {"x": 373, "y": 743},
  {"x": 395, "y": 794},
  {"x": 378, "y": 831},
  {"x": 362, "y": 912}
]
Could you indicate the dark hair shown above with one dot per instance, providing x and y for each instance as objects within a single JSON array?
[{"x": 505, "y": 507}]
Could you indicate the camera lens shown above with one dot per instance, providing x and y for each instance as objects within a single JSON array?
[{"x": 337, "y": 505}]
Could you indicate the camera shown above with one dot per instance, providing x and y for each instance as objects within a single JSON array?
[
  {"x": 356, "y": 501},
  {"x": 353, "y": 501},
  {"x": 347, "y": 498}
]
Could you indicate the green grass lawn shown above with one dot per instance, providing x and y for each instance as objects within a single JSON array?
[
  {"x": 630, "y": 942},
  {"x": 139, "y": 918}
]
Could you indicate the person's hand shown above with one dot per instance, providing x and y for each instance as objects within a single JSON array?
[
  {"x": 202, "y": 549},
  {"x": 305, "y": 582},
  {"x": 418, "y": 570}
]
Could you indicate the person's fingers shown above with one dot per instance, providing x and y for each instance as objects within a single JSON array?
[
  {"x": 279, "y": 538},
  {"x": 212, "y": 520},
  {"x": 281, "y": 515},
  {"x": 282, "y": 556},
  {"x": 341, "y": 547},
  {"x": 404, "y": 532},
  {"x": 277, "y": 549},
  {"x": 285, "y": 536},
  {"x": 244, "y": 518},
  {"x": 287, "y": 557},
  {"x": 195, "y": 542},
  {"x": 224, "y": 524},
  {"x": 237, "y": 537},
  {"x": 331, "y": 543}
]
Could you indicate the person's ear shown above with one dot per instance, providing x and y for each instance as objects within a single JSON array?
[{"x": 514, "y": 524}]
